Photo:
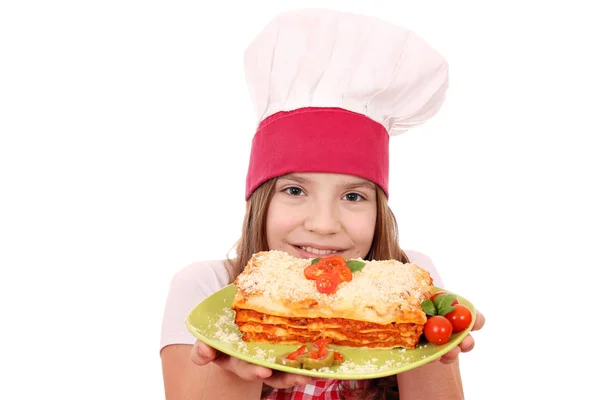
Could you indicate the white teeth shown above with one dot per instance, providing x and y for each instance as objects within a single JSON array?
[{"x": 317, "y": 251}]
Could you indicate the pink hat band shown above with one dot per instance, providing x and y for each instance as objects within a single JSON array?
[{"x": 314, "y": 139}]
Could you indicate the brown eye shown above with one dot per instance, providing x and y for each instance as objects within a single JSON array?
[
  {"x": 294, "y": 191},
  {"x": 353, "y": 197}
]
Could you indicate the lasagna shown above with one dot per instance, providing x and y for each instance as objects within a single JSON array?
[{"x": 380, "y": 307}]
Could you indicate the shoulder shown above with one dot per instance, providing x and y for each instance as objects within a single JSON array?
[
  {"x": 205, "y": 277},
  {"x": 188, "y": 288},
  {"x": 418, "y": 258},
  {"x": 425, "y": 262}
]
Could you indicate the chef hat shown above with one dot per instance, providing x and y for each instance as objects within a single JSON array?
[{"x": 330, "y": 87}]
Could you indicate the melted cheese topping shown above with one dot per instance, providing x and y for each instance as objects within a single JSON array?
[{"x": 383, "y": 291}]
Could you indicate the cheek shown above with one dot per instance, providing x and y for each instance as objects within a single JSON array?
[
  {"x": 279, "y": 222},
  {"x": 365, "y": 234},
  {"x": 361, "y": 229}
]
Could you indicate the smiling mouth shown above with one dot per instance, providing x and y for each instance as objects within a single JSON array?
[{"x": 319, "y": 252}]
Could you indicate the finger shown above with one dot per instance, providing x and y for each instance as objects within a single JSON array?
[
  {"x": 451, "y": 356},
  {"x": 284, "y": 380},
  {"x": 202, "y": 354},
  {"x": 467, "y": 344},
  {"x": 243, "y": 369},
  {"x": 479, "y": 321}
]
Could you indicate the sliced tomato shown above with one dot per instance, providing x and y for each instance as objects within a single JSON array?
[
  {"x": 339, "y": 357},
  {"x": 328, "y": 265},
  {"x": 318, "y": 351},
  {"x": 294, "y": 354},
  {"x": 344, "y": 272},
  {"x": 332, "y": 262},
  {"x": 336, "y": 264},
  {"x": 320, "y": 346},
  {"x": 327, "y": 283},
  {"x": 322, "y": 351},
  {"x": 313, "y": 271}
]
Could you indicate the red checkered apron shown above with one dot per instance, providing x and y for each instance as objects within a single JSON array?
[{"x": 325, "y": 389}]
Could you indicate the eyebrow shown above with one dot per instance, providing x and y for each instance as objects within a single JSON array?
[
  {"x": 363, "y": 183},
  {"x": 295, "y": 178}
]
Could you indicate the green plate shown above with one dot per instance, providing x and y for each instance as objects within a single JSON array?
[{"x": 212, "y": 322}]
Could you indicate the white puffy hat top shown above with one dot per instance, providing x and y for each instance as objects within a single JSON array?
[{"x": 324, "y": 58}]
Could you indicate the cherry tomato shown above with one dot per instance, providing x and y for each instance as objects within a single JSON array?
[
  {"x": 332, "y": 261},
  {"x": 327, "y": 283},
  {"x": 313, "y": 271},
  {"x": 330, "y": 264},
  {"x": 437, "y": 330},
  {"x": 338, "y": 265},
  {"x": 455, "y": 302},
  {"x": 460, "y": 318},
  {"x": 344, "y": 272}
]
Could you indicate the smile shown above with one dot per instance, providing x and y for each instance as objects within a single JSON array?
[{"x": 320, "y": 252}]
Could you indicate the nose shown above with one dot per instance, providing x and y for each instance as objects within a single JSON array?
[{"x": 323, "y": 218}]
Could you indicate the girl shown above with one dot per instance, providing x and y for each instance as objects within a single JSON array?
[{"x": 329, "y": 89}]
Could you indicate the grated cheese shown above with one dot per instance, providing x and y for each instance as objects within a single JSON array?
[
  {"x": 275, "y": 281},
  {"x": 226, "y": 330}
]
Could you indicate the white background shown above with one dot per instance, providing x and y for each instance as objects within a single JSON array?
[{"x": 125, "y": 130}]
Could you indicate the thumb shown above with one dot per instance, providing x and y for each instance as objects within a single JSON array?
[{"x": 202, "y": 354}]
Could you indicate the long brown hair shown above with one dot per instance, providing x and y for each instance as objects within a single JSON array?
[{"x": 384, "y": 247}]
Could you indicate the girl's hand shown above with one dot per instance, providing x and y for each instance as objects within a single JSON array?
[
  {"x": 203, "y": 354},
  {"x": 466, "y": 345}
]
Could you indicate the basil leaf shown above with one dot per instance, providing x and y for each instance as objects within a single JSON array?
[
  {"x": 445, "y": 310},
  {"x": 315, "y": 260},
  {"x": 428, "y": 307},
  {"x": 355, "y": 265},
  {"x": 444, "y": 301}
]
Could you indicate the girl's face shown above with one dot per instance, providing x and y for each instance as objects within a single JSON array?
[{"x": 316, "y": 214}]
